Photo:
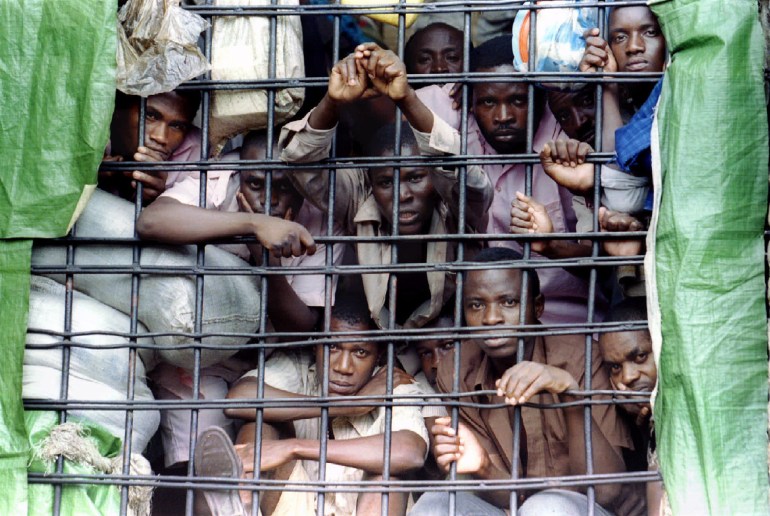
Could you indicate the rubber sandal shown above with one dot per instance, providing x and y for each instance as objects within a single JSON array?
[{"x": 215, "y": 456}]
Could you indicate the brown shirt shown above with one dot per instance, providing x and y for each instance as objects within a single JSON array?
[
  {"x": 356, "y": 209},
  {"x": 547, "y": 449}
]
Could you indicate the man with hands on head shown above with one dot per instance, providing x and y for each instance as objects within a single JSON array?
[
  {"x": 552, "y": 441},
  {"x": 364, "y": 197}
]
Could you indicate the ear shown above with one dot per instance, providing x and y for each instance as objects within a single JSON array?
[{"x": 539, "y": 306}]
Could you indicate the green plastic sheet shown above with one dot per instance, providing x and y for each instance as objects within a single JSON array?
[
  {"x": 57, "y": 88},
  {"x": 711, "y": 408}
]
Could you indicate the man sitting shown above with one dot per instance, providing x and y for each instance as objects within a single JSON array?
[{"x": 292, "y": 436}]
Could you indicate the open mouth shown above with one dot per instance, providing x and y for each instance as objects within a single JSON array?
[{"x": 408, "y": 217}]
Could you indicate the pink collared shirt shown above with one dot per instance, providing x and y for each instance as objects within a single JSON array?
[
  {"x": 565, "y": 294},
  {"x": 221, "y": 190}
]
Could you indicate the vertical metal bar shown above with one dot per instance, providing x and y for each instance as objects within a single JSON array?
[
  {"x": 527, "y": 254},
  {"x": 199, "y": 277},
  {"x": 321, "y": 498}
]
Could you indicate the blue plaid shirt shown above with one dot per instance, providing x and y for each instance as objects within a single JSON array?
[{"x": 632, "y": 141}]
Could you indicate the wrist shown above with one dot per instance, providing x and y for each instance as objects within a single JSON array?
[
  {"x": 407, "y": 100},
  {"x": 325, "y": 114},
  {"x": 485, "y": 467}
]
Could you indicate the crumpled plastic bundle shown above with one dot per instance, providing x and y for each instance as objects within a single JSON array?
[
  {"x": 559, "y": 41},
  {"x": 240, "y": 51},
  {"x": 157, "y": 47}
]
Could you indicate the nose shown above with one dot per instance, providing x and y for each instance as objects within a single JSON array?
[
  {"x": 440, "y": 65},
  {"x": 434, "y": 359},
  {"x": 342, "y": 363},
  {"x": 579, "y": 116},
  {"x": 503, "y": 113},
  {"x": 630, "y": 374},
  {"x": 158, "y": 133},
  {"x": 492, "y": 315},
  {"x": 404, "y": 192},
  {"x": 635, "y": 43}
]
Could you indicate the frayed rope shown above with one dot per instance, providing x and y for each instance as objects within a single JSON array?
[{"x": 73, "y": 442}]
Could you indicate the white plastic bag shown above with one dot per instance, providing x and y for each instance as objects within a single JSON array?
[
  {"x": 157, "y": 47},
  {"x": 166, "y": 302},
  {"x": 240, "y": 51},
  {"x": 97, "y": 373},
  {"x": 559, "y": 44}
]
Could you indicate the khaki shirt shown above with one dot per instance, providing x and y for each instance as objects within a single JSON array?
[
  {"x": 355, "y": 208},
  {"x": 546, "y": 448}
]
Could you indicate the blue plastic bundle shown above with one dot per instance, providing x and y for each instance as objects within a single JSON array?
[{"x": 559, "y": 41}]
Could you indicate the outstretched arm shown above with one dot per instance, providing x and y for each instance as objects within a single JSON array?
[{"x": 168, "y": 220}]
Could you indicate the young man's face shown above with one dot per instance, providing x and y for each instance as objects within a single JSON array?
[
  {"x": 636, "y": 40},
  {"x": 629, "y": 360},
  {"x": 491, "y": 298},
  {"x": 351, "y": 364},
  {"x": 283, "y": 196},
  {"x": 417, "y": 197},
  {"x": 168, "y": 119},
  {"x": 437, "y": 49},
  {"x": 500, "y": 109},
  {"x": 575, "y": 112},
  {"x": 432, "y": 351}
]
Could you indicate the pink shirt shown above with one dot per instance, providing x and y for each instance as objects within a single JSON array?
[
  {"x": 221, "y": 190},
  {"x": 565, "y": 294},
  {"x": 189, "y": 150}
]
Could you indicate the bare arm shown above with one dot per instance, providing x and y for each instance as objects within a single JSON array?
[
  {"x": 598, "y": 54},
  {"x": 168, "y": 220},
  {"x": 247, "y": 389}
]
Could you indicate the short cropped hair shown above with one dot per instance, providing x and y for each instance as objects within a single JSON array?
[
  {"x": 630, "y": 309},
  {"x": 352, "y": 308},
  {"x": 382, "y": 142},
  {"x": 506, "y": 254},
  {"x": 492, "y": 53}
]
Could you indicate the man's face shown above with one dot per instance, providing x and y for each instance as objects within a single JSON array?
[
  {"x": 417, "y": 197},
  {"x": 168, "y": 119},
  {"x": 575, "y": 112},
  {"x": 629, "y": 360},
  {"x": 437, "y": 49},
  {"x": 492, "y": 298},
  {"x": 351, "y": 364},
  {"x": 283, "y": 196},
  {"x": 432, "y": 351},
  {"x": 500, "y": 109},
  {"x": 636, "y": 40}
]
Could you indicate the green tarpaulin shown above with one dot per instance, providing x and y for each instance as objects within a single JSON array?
[
  {"x": 57, "y": 88},
  {"x": 711, "y": 408}
]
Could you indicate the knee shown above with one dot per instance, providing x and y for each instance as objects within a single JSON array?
[
  {"x": 555, "y": 502},
  {"x": 434, "y": 503}
]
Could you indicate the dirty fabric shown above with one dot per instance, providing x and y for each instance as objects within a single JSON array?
[{"x": 711, "y": 406}]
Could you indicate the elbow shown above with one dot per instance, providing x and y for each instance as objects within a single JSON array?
[
  {"x": 146, "y": 225},
  {"x": 407, "y": 454},
  {"x": 608, "y": 495}
]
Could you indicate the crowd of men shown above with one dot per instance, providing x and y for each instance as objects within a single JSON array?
[{"x": 510, "y": 375}]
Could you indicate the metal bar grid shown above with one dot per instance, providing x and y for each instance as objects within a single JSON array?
[{"x": 189, "y": 483}]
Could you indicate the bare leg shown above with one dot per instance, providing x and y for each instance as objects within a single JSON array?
[
  {"x": 268, "y": 500},
  {"x": 371, "y": 503}
]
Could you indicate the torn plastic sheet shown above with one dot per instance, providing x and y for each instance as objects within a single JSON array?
[{"x": 158, "y": 47}]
